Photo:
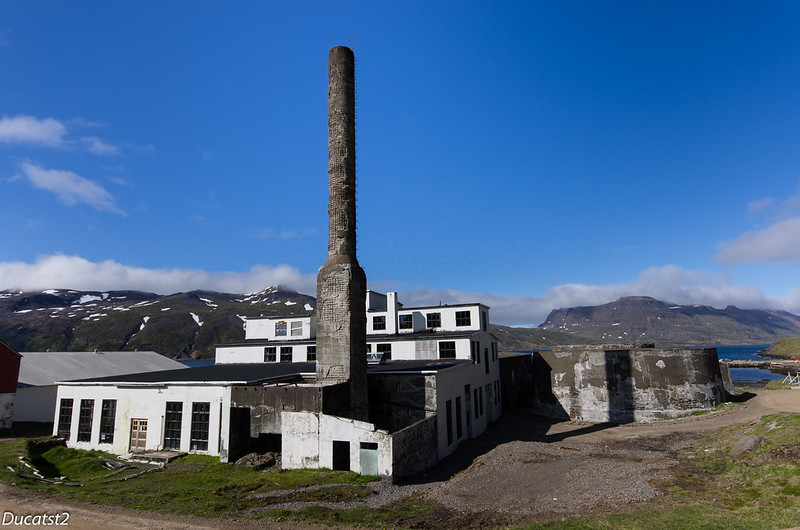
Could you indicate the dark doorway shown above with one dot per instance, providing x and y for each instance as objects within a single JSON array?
[
  {"x": 239, "y": 444},
  {"x": 619, "y": 382},
  {"x": 341, "y": 456}
]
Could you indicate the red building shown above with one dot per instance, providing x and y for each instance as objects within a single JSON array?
[{"x": 9, "y": 374}]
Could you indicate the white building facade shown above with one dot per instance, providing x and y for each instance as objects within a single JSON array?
[{"x": 434, "y": 381}]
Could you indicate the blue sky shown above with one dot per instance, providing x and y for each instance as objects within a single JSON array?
[{"x": 528, "y": 155}]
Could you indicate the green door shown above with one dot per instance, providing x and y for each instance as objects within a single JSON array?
[{"x": 369, "y": 458}]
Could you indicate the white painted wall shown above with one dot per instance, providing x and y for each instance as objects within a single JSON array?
[
  {"x": 264, "y": 328},
  {"x": 256, "y": 354},
  {"x": 308, "y": 438},
  {"x": 149, "y": 402}
]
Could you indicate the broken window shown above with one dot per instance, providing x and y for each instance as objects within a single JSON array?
[
  {"x": 65, "y": 418},
  {"x": 172, "y": 425},
  {"x": 85, "y": 420},
  {"x": 200, "y": 419},
  {"x": 108, "y": 413}
]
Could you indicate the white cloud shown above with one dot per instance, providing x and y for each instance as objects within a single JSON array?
[
  {"x": 70, "y": 188},
  {"x": 73, "y": 272},
  {"x": 670, "y": 284},
  {"x": 97, "y": 146},
  {"x": 778, "y": 242},
  {"x": 29, "y": 129}
]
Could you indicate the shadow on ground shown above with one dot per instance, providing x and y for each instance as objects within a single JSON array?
[{"x": 515, "y": 424}]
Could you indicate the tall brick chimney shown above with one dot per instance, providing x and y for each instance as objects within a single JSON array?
[{"x": 341, "y": 282}]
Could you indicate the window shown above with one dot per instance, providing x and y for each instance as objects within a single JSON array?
[
  {"x": 369, "y": 348},
  {"x": 463, "y": 318},
  {"x": 480, "y": 393},
  {"x": 280, "y": 328},
  {"x": 286, "y": 354},
  {"x": 406, "y": 321},
  {"x": 65, "y": 418},
  {"x": 477, "y": 403},
  {"x": 386, "y": 350},
  {"x": 172, "y": 425},
  {"x": 447, "y": 350},
  {"x": 449, "y": 411},
  {"x": 474, "y": 352},
  {"x": 200, "y": 415},
  {"x": 311, "y": 353},
  {"x": 484, "y": 321},
  {"x": 108, "y": 413},
  {"x": 269, "y": 354},
  {"x": 458, "y": 418},
  {"x": 434, "y": 320},
  {"x": 379, "y": 323},
  {"x": 85, "y": 420},
  {"x": 297, "y": 329}
]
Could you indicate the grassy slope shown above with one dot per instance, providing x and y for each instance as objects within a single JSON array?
[{"x": 788, "y": 348}]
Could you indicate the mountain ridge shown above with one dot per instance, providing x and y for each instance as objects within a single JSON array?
[{"x": 189, "y": 324}]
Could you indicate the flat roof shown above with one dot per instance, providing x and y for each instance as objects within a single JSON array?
[{"x": 257, "y": 373}]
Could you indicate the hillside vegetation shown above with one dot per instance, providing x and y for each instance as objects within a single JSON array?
[{"x": 788, "y": 348}]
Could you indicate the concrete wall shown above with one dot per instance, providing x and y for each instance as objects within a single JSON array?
[
  {"x": 6, "y": 409},
  {"x": 414, "y": 448},
  {"x": 149, "y": 403},
  {"x": 266, "y": 403},
  {"x": 614, "y": 383},
  {"x": 35, "y": 403},
  {"x": 308, "y": 441},
  {"x": 398, "y": 400}
]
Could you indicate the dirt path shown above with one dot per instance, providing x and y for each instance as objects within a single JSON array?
[
  {"x": 521, "y": 469},
  {"x": 535, "y": 470}
]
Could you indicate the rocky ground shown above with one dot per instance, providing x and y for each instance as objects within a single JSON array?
[{"x": 523, "y": 469}]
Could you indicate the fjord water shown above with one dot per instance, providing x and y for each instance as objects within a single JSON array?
[{"x": 747, "y": 352}]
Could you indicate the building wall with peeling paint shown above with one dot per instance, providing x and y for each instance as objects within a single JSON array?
[{"x": 620, "y": 384}]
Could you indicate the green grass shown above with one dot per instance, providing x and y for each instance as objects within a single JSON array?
[{"x": 787, "y": 348}]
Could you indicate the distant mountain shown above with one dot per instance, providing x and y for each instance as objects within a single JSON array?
[
  {"x": 183, "y": 325},
  {"x": 641, "y": 319},
  {"x": 189, "y": 325}
]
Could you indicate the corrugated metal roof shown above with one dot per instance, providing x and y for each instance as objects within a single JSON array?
[{"x": 45, "y": 368}]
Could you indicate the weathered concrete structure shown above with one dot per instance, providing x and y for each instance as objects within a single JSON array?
[
  {"x": 622, "y": 383},
  {"x": 341, "y": 282}
]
